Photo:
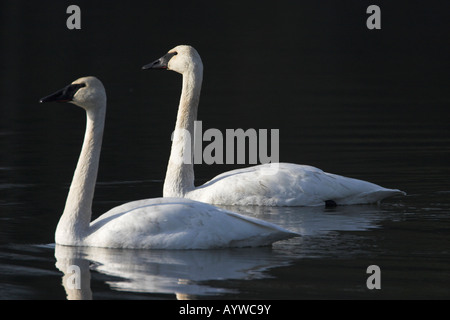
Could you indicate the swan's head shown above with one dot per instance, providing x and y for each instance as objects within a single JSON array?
[
  {"x": 180, "y": 59},
  {"x": 87, "y": 92}
]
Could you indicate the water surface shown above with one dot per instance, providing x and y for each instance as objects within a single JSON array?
[{"x": 368, "y": 105}]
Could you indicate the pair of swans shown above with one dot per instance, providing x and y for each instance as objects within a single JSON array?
[{"x": 183, "y": 218}]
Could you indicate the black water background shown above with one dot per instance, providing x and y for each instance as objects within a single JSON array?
[{"x": 368, "y": 104}]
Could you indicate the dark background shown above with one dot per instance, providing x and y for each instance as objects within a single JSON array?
[
  {"x": 369, "y": 104},
  {"x": 346, "y": 99}
]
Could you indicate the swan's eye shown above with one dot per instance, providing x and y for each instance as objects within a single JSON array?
[
  {"x": 65, "y": 94},
  {"x": 175, "y": 53},
  {"x": 78, "y": 86},
  {"x": 73, "y": 88}
]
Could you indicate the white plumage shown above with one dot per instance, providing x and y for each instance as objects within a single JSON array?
[
  {"x": 161, "y": 223},
  {"x": 279, "y": 184},
  {"x": 177, "y": 223},
  {"x": 288, "y": 185}
]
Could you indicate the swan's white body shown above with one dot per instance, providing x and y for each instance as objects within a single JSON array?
[
  {"x": 288, "y": 185},
  {"x": 292, "y": 185},
  {"x": 161, "y": 223},
  {"x": 177, "y": 223}
]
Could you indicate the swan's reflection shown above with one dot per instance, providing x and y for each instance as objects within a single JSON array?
[
  {"x": 66, "y": 257},
  {"x": 186, "y": 272},
  {"x": 179, "y": 272},
  {"x": 314, "y": 221}
]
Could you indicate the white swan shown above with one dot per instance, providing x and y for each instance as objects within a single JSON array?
[
  {"x": 160, "y": 223},
  {"x": 292, "y": 185}
]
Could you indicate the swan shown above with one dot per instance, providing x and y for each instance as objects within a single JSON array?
[
  {"x": 289, "y": 185},
  {"x": 159, "y": 223}
]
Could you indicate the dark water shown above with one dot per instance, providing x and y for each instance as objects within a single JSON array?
[{"x": 372, "y": 105}]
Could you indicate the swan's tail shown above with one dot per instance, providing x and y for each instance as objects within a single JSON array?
[
  {"x": 264, "y": 239},
  {"x": 370, "y": 197},
  {"x": 264, "y": 233}
]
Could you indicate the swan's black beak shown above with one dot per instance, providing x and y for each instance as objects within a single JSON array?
[
  {"x": 64, "y": 95},
  {"x": 161, "y": 63}
]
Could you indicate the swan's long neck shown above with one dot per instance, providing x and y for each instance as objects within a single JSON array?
[
  {"x": 74, "y": 222},
  {"x": 180, "y": 170}
]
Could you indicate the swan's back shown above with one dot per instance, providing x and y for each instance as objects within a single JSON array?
[
  {"x": 173, "y": 223},
  {"x": 286, "y": 184}
]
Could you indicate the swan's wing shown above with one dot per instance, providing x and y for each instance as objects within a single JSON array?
[
  {"x": 168, "y": 223},
  {"x": 286, "y": 184}
]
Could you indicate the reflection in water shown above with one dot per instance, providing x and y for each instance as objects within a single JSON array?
[
  {"x": 177, "y": 272},
  {"x": 65, "y": 259},
  {"x": 184, "y": 272},
  {"x": 310, "y": 221},
  {"x": 381, "y": 115}
]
